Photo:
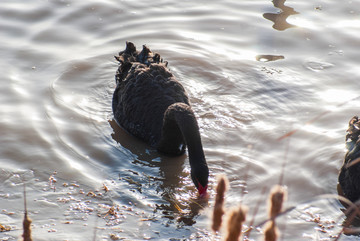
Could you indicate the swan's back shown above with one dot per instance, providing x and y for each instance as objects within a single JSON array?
[{"x": 145, "y": 89}]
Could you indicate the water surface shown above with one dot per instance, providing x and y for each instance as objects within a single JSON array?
[{"x": 254, "y": 71}]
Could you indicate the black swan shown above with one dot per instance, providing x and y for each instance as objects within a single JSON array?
[
  {"x": 152, "y": 105},
  {"x": 349, "y": 177}
]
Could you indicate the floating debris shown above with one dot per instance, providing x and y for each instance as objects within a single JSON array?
[
  {"x": 268, "y": 57},
  {"x": 105, "y": 188},
  {"x": 4, "y": 228}
]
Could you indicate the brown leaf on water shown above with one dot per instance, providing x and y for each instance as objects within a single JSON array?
[
  {"x": 105, "y": 187},
  {"x": 4, "y": 228},
  {"x": 114, "y": 237},
  {"x": 91, "y": 194}
]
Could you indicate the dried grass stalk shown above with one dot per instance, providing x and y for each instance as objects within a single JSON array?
[
  {"x": 221, "y": 188},
  {"x": 236, "y": 217},
  {"x": 278, "y": 195},
  {"x": 271, "y": 231}
]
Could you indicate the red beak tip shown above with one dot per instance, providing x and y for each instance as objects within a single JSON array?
[{"x": 202, "y": 191}]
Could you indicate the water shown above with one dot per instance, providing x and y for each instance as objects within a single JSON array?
[{"x": 254, "y": 70}]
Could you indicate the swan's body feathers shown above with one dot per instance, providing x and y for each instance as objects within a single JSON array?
[
  {"x": 145, "y": 89},
  {"x": 156, "y": 89},
  {"x": 152, "y": 105}
]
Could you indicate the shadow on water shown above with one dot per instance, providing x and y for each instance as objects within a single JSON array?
[
  {"x": 171, "y": 182},
  {"x": 279, "y": 19}
]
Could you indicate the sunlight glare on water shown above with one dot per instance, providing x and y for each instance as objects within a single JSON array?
[
  {"x": 336, "y": 96},
  {"x": 302, "y": 22}
]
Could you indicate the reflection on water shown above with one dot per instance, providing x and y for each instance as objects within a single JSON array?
[
  {"x": 279, "y": 19},
  {"x": 168, "y": 185}
]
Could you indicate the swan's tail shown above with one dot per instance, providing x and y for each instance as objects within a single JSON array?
[{"x": 131, "y": 56}]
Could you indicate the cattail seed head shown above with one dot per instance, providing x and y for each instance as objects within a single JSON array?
[
  {"x": 27, "y": 228},
  {"x": 221, "y": 188},
  {"x": 271, "y": 231},
  {"x": 236, "y": 217},
  {"x": 278, "y": 195}
]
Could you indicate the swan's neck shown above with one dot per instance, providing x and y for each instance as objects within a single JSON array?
[{"x": 180, "y": 128}]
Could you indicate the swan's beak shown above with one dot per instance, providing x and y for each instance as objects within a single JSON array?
[{"x": 202, "y": 191}]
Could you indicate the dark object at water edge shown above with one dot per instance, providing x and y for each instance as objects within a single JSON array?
[{"x": 349, "y": 177}]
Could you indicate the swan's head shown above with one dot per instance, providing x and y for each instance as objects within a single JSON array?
[{"x": 200, "y": 176}]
